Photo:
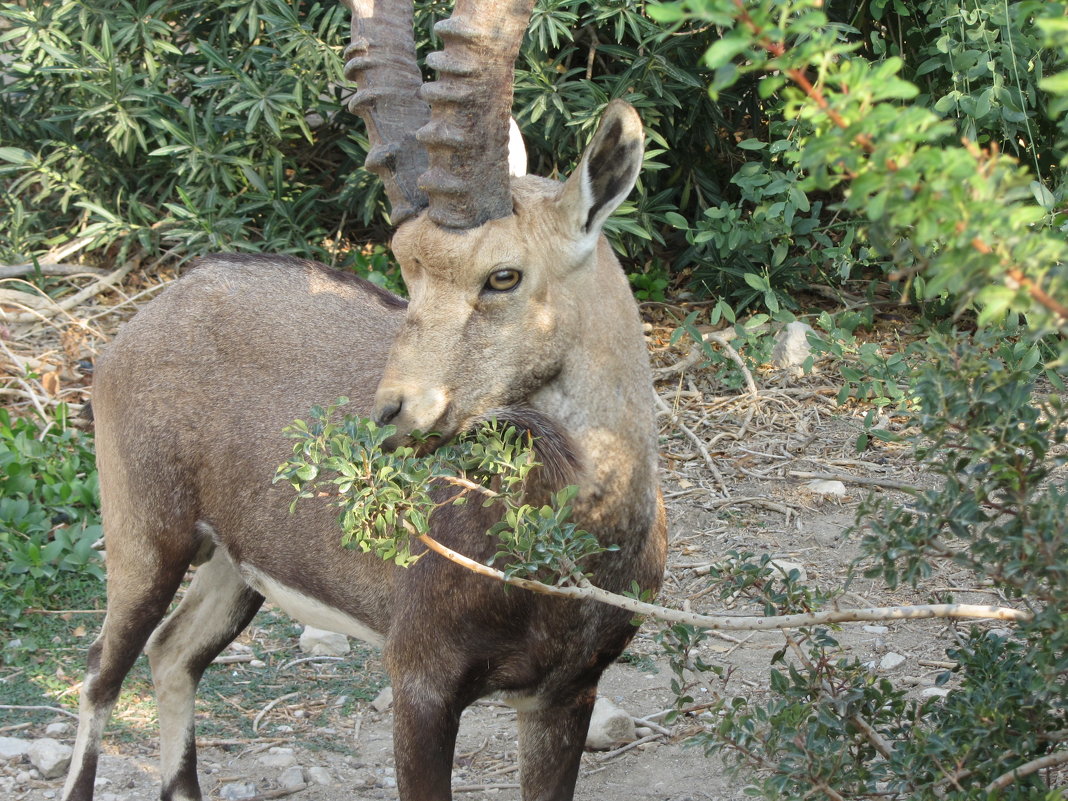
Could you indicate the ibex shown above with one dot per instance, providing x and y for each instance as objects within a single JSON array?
[{"x": 517, "y": 305}]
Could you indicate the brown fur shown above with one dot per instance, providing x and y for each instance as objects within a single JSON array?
[{"x": 190, "y": 401}]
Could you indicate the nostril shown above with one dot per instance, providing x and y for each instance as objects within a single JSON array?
[{"x": 388, "y": 412}]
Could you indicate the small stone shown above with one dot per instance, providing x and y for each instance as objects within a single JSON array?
[
  {"x": 51, "y": 757},
  {"x": 277, "y": 757},
  {"x": 609, "y": 726},
  {"x": 318, "y": 642},
  {"x": 236, "y": 791},
  {"x": 891, "y": 661},
  {"x": 292, "y": 778},
  {"x": 58, "y": 729},
  {"x": 785, "y": 566},
  {"x": 826, "y": 488},
  {"x": 257, "y": 663},
  {"x": 100, "y": 781},
  {"x": 49, "y": 793},
  {"x": 107, "y": 797},
  {"x": 934, "y": 692},
  {"x": 642, "y": 731},
  {"x": 23, "y": 777},
  {"x": 320, "y": 775},
  {"x": 13, "y": 748},
  {"x": 791, "y": 347},
  {"x": 384, "y": 700},
  {"x": 876, "y": 629}
]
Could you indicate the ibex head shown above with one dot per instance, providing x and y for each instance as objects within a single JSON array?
[{"x": 500, "y": 271}]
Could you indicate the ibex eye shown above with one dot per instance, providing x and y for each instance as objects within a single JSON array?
[{"x": 503, "y": 280}]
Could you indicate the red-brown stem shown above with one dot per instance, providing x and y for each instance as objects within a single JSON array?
[{"x": 778, "y": 49}]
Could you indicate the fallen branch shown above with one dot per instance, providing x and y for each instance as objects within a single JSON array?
[
  {"x": 95, "y": 288},
  {"x": 845, "y": 478},
  {"x": 56, "y": 709},
  {"x": 19, "y": 270},
  {"x": 586, "y": 591}
]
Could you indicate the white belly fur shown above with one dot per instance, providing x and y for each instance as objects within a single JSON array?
[{"x": 307, "y": 609}]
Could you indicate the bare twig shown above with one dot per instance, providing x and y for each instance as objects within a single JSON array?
[
  {"x": 846, "y": 478},
  {"x": 271, "y": 705},
  {"x": 95, "y": 288},
  {"x": 19, "y": 270},
  {"x": 588, "y": 591},
  {"x": 293, "y": 662},
  {"x": 475, "y": 788},
  {"x": 58, "y": 710},
  {"x": 1026, "y": 769},
  {"x": 697, "y": 443},
  {"x": 624, "y": 748}
]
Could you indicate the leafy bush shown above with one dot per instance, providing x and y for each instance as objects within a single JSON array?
[
  {"x": 198, "y": 127},
  {"x": 49, "y": 510}
]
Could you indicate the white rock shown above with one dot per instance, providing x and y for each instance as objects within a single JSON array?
[
  {"x": 891, "y": 661},
  {"x": 384, "y": 700},
  {"x": 235, "y": 791},
  {"x": 934, "y": 692},
  {"x": 320, "y": 775},
  {"x": 24, "y": 776},
  {"x": 58, "y": 729},
  {"x": 876, "y": 629},
  {"x": 791, "y": 347},
  {"x": 257, "y": 663},
  {"x": 318, "y": 642},
  {"x": 49, "y": 756},
  {"x": 277, "y": 757},
  {"x": 609, "y": 726},
  {"x": 13, "y": 748},
  {"x": 830, "y": 489},
  {"x": 785, "y": 565},
  {"x": 107, "y": 797},
  {"x": 292, "y": 778}
]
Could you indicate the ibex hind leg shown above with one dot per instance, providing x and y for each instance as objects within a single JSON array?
[
  {"x": 551, "y": 739},
  {"x": 215, "y": 609},
  {"x": 144, "y": 572}
]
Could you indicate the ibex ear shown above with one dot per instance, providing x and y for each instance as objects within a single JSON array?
[{"x": 606, "y": 174}]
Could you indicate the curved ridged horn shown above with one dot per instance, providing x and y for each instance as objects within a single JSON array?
[
  {"x": 471, "y": 102},
  {"x": 381, "y": 61}
]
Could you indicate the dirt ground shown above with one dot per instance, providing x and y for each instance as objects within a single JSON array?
[{"x": 750, "y": 498}]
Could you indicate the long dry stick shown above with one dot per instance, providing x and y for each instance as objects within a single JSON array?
[
  {"x": 587, "y": 591},
  {"x": 98, "y": 286},
  {"x": 1026, "y": 769}
]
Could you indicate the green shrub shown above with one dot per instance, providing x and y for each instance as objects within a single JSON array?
[{"x": 49, "y": 510}]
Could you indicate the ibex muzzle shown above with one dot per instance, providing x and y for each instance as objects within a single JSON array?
[{"x": 518, "y": 308}]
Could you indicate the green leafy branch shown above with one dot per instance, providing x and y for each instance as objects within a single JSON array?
[
  {"x": 934, "y": 202},
  {"x": 387, "y": 498}
]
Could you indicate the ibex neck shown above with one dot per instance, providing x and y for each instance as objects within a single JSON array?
[{"x": 603, "y": 398}]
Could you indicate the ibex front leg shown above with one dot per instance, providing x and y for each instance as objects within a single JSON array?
[
  {"x": 425, "y": 722},
  {"x": 551, "y": 739}
]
